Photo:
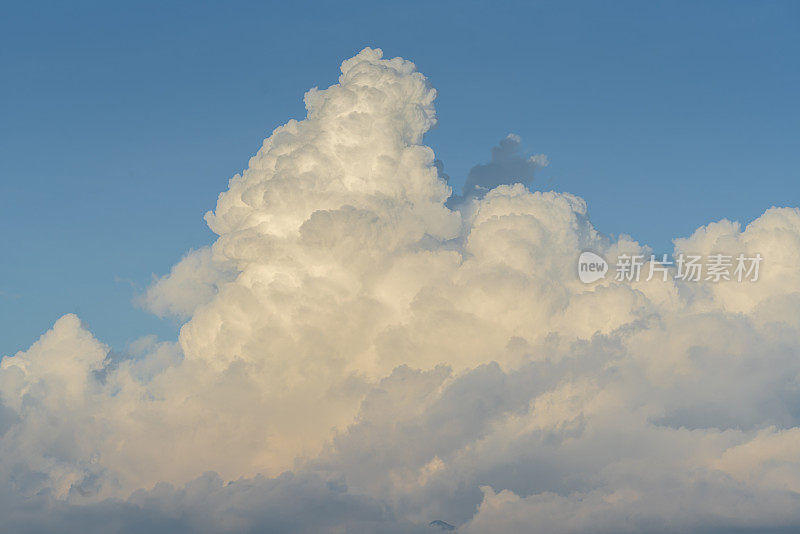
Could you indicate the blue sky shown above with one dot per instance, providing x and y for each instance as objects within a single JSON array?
[{"x": 122, "y": 124}]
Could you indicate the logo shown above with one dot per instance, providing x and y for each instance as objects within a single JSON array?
[{"x": 591, "y": 267}]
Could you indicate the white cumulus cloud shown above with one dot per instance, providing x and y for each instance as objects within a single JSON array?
[{"x": 363, "y": 354}]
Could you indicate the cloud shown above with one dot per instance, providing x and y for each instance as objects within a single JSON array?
[
  {"x": 358, "y": 356},
  {"x": 508, "y": 166},
  {"x": 192, "y": 282}
]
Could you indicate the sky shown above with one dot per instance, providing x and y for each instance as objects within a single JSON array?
[
  {"x": 121, "y": 124},
  {"x": 315, "y": 268}
]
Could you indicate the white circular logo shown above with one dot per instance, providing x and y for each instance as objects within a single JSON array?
[{"x": 591, "y": 267}]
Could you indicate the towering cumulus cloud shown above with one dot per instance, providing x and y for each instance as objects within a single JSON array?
[{"x": 363, "y": 353}]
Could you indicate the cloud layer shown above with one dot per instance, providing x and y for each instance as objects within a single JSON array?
[{"x": 365, "y": 352}]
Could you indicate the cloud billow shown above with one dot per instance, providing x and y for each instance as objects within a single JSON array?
[{"x": 361, "y": 354}]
